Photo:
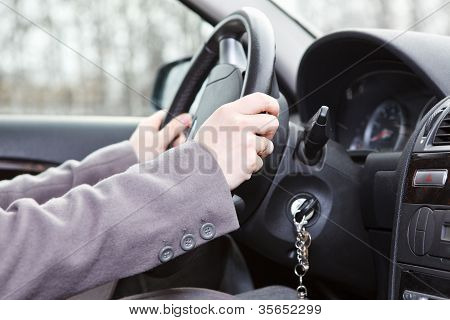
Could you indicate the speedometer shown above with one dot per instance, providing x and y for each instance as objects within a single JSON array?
[{"x": 385, "y": 130}]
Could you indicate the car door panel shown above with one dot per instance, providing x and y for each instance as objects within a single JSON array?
[{"x": 31, "y": 144}]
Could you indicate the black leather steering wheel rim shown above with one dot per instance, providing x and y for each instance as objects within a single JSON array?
[{"x": 259, "y": 74}]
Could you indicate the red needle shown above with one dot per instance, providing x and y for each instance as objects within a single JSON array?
[{"x": 385, "y": 133}]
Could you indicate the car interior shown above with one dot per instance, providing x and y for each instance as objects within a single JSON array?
[{"x": 362, "y": 153}]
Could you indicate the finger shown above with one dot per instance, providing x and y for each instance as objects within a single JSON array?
[
  {"x": 179, "y": 140},
  {"x": 264, "y": 146},
  {"x": 257, "y": 103},
  {"x": 259, "y": 164},
  {"x": 265, "y": 125},
  {"x": 174, "y": 128},
  {"x": 155, "y": 120}
]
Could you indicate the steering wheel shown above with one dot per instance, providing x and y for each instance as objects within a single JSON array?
[{"x": 231, "y": 73}]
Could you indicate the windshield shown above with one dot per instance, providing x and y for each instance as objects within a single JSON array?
[{"x": 331, "y": 15}]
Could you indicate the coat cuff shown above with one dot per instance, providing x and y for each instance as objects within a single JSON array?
[{"x": 124, "y": 155}]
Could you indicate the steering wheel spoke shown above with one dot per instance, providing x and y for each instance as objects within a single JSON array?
[{"x": 232, "y": 52}]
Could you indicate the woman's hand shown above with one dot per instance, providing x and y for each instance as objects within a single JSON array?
[
  {"x": 239, "y": 135},
  {"x": 149, "y": 141}
]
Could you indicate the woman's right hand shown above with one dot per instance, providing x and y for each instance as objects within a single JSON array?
[{"x": 239, "y": 135}]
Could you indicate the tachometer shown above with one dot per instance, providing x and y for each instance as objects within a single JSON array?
[{"x": 385, "y": 130}]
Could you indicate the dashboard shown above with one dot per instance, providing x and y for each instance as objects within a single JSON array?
[
  {"x": 375, "y": 98},
  {"x": 378, "y": 86},
  {"x": 383, "y": 90}
]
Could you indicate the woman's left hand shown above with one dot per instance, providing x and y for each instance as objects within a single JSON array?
[{"x": 149, "y": 141}]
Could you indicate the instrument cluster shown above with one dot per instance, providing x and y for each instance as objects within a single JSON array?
[{"x": 379, "y": 110}]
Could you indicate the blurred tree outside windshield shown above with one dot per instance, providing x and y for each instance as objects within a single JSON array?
[
  {"x": 129, "y": 39},
  {"x": 332, "y": 15}
]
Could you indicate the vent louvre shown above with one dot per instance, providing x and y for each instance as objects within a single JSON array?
[{"x": 442, "y": 137}]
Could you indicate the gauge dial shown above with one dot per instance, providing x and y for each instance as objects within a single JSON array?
[{"x": 385, "y": 130}]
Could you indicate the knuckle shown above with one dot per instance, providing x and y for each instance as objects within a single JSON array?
[
  {"x": 261, "y": 96},
  {"x": 275, "y": 122},
  {"x": 274, "y": 102},
  {"x": 266, "y": 100},
  {"x": 272, "y": 126},
  {"x": 265, "y": 143},
  {"x": 252, "y": 166},
  {"x": 260, "y": 164},
  {"x": 276, "y": 105},
  {"x": 252, "y": 162}
]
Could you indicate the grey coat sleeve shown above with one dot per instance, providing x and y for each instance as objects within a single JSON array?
[
  {"x": 114, "y": 229},
  {"x": 55, "y": 182}
]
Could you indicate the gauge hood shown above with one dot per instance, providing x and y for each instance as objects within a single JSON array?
[{"x": 331, "y": 57}]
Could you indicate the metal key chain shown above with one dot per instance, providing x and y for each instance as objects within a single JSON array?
[
  {"x": 302, "y": 244},
  {"x": 302, "y": 212}
]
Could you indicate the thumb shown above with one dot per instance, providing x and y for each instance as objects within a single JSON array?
[{"x": 155, "y": 120}]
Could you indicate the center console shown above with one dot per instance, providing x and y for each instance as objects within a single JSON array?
[{"x": 421, "y": 243}]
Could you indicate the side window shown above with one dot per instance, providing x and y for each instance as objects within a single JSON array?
[{"x": 89, "y": 57}]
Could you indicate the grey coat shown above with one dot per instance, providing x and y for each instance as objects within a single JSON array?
[{"x": 86, "y": 223}]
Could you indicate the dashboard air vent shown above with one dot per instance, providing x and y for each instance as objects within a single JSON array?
[{"x": 442, "y": 136}]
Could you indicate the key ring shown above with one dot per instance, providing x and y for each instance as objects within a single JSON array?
[{"x": 302, "y": 292}]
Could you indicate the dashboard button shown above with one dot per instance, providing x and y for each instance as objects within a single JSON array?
[
  {"x": 421, "y": 231},
  {"x": 430, "y": 178},
  {"x": 422, "y": 218},
  {"x": 419, "y": 243}
]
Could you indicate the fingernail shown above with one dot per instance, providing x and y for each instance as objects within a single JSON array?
[{"x": 185, "y": 118}]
